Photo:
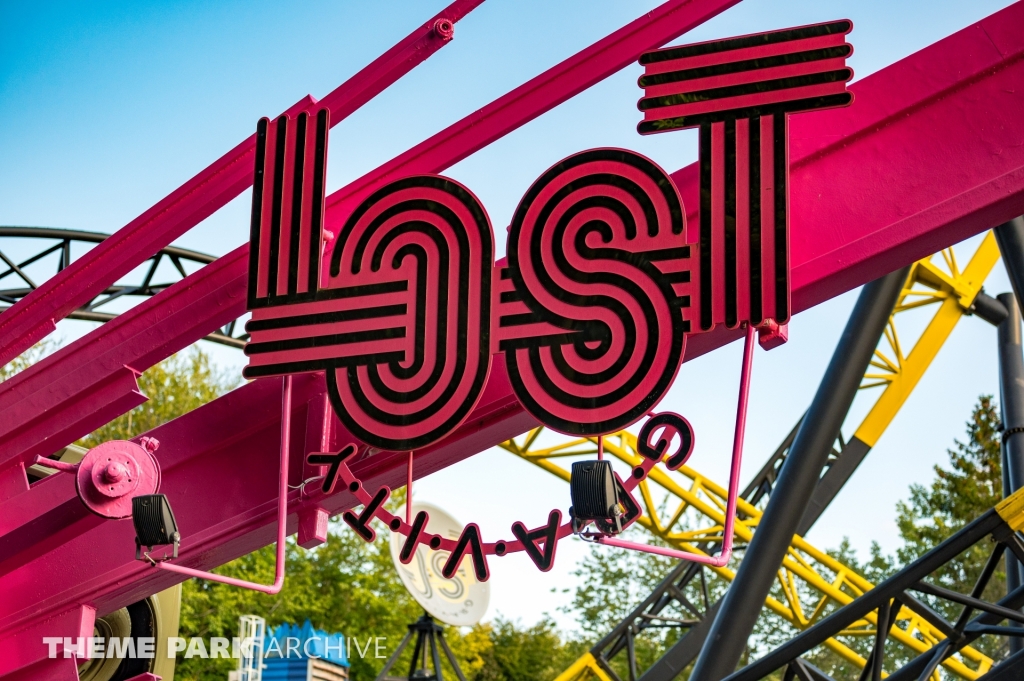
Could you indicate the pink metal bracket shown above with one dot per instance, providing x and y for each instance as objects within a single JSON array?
[
  {"x": 282, "y": 513},
  {"x": 734, "y": 480},
  {"x": 112, "y": 474}
]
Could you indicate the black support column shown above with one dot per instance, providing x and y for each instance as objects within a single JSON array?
[
  {"x": 1011, "y": 405},
  {"x": 1010, "y": 237},
  {"x": 797, "y": 480}
]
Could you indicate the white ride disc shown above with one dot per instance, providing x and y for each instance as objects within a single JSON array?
[{"x": 460, "y": 601}]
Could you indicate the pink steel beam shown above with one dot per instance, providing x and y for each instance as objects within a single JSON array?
[
  {"x": 940, "y": 203},
  {"x": 723, "y": 557},
  {"x": 531, "y": 99},
  {"x": 40, "y": 399},
  {"x": 930, "y": 154},
  {"x": 33, "y": 317},
  {"x": 230, "y": 469},
  {"x": 72, "y": 392},
  {"x": 282, "y": 514}
]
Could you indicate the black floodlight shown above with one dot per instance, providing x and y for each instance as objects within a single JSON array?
[
  {"x": 154, "y": 523},
  {"x": 594, "y": 494}
]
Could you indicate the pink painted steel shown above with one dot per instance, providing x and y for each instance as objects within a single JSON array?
[
  {"x": 224, "y": 501},
  {"x": 528, "y": 101},
  {"x": 33, "y": 317},
  {"x": 739, "y": 91},
  {"x": 59, "y": 669},
  {"x": 945, "y": 144},
  {"x": 88, "y": 383},
  {"x": 313, "y": 527},
  {"x": 210, "y": 295},
  {"x": 723, "y": 557},
  {"x": 282, "y": 515},
  {"x": 25, "y": 649},
  {"x": 588, "y": 248},
  {"x": 112, "y": 474},
  {"x": 408, "y": 493}
]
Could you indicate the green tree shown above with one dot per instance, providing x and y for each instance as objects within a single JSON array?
[
  {"x": 536, "y": 653},
  {"x": 176, "y": 386},
  {"x": 345, "y": 585},
  {"x": 612, "y": 582},
  {"x": 968, "y": 486}
]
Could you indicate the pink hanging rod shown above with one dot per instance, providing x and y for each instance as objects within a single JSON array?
[
  {"x": 723, "y": 557},
  {"x": 282, "y": 513}
]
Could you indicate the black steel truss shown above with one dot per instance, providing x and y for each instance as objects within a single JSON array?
[
  {"x": 842, "y": 461},
  {"x": 650, "y": 614},
  {"x": 887, "y": 598},
  {"x": 57, "y": 242}
]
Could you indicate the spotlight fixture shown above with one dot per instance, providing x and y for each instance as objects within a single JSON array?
[
  {"x": 154, "y": 523},
  {"x": 595, "y": 496}
]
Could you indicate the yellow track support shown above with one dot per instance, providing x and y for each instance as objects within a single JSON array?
[
  {"x": 584, "y": 669},
  {"x": 927, "y": 284},
  {"x": 812, "y": 583}
]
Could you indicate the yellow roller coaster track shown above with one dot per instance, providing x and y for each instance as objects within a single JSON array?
[{"x": 812, "y": 582}]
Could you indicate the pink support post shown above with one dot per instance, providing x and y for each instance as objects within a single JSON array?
[
  {"x": 282, "y": 514},
  {"x": 722, "y": 558},
  {"x": 919, "y": 132},
  {"x": 35, "y": 316},
  {"x": 408, "y": 493},
  {"x": 206, "y": 305}
]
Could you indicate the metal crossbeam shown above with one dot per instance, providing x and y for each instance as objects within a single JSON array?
[
  {"x": 998, "y": 526},
  {"x": 811, "y": 582},
  {"x": 897, "y": 367},
  {"x": 941, "y": 284},
  {"x": 930, "y": 133},
  {"x": 12, "y": 290}
]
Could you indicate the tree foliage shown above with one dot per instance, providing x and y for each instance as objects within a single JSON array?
[
  {"x": 970, "y": 485},
  {"x": 612, "y": 583},
  {"x": 535, "y": 653},
  {"x": 966, "y": 487},
  {"x": 344, "y": 586},
  {"x": 350, "y": 586},
  {"x": 176, "y": 386}
]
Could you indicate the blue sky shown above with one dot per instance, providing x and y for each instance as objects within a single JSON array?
[{"x": 107, "y": 107}]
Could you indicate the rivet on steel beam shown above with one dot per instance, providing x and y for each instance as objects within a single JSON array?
[{"x": 444, "y": 28}]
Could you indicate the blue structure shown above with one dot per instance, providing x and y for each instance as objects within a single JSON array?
[{"x": 291, "y": 651}]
